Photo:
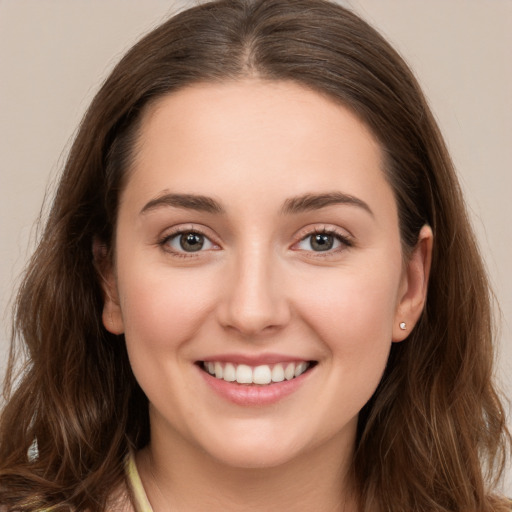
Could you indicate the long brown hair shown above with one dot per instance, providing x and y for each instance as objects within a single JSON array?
[{"x": 433, "y": 436}]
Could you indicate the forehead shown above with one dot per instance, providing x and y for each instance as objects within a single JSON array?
[{"x": 262, "y": 138}]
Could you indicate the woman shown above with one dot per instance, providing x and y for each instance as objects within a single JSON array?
[{"x": 228, "y": 308}]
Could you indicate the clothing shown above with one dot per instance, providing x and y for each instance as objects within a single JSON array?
[{"x": 140, "y": 499}]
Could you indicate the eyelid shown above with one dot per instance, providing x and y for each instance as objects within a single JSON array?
[
  {"x": 345, "y": 238},
  {"x": 181, "y": 229}
]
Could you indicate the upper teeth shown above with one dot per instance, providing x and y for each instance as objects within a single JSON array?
[{"x": 263, "y": 374}]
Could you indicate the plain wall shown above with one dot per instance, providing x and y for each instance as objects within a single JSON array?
[{"x": 55, "y": 53}]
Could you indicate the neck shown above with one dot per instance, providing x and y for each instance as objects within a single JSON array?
[{"x": 190, "y": 480}]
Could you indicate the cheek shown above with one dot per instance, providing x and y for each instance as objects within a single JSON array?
[
  {"x": 162, "y": 312},
  {"x": 164, "y": 308},
  {"x": 350, "y": 307},
  {"x": 352, "y": 314},
  {"x": 353, "y": 318}
]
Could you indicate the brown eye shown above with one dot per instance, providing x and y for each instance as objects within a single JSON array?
[
  {"x": 191, "y": 242},
  {"x": 187, "y": 242},
  {"x": 322, "y": 241}
]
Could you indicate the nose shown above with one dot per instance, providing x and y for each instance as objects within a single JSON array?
[{"x": 255, "y": 301}]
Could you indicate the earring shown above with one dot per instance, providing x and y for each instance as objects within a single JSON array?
[{"x": 403, "y": 326}]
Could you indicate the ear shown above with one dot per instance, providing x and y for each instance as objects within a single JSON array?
[
  {"x": 112, "y": 316},
  {"x": 414, "y": 285}
]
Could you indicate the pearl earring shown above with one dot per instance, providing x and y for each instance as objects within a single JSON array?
[{"x": 403, "y": 326}]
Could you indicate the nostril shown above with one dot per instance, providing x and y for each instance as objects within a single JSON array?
[
  {"x": 253, "y": 303},
  {"x": 252, "y": 321}
]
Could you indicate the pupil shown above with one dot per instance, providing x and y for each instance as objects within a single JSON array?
[
  {"x": 191, "y": 242},
  {"x": 322, "y": 242}
]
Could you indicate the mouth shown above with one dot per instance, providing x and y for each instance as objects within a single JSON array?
[{"x": 260, "y": 375}]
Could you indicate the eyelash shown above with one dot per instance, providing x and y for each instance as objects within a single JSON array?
[
  {"x": 344, "y": 240},
  {"x": 164, "y": 241}
]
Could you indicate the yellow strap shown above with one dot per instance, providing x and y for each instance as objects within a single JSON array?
[{"x": 141, "y": 500}]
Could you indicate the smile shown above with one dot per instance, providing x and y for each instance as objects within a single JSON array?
[{"x": 261, "y": 375}]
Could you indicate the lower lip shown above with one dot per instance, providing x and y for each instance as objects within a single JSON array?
[{"x": 254, "y": 394}]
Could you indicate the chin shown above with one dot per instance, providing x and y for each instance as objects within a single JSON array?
[
  {"x": 254, "y": 457},
  {"x": 254, "y": 449}
]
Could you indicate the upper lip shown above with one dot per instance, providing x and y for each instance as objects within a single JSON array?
[{"x": 254, "y": 359}]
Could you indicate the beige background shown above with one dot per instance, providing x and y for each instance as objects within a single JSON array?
[{"x": 54, "y": 54}]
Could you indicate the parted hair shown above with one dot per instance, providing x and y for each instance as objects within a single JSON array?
[{"x": 433, "y": 436}]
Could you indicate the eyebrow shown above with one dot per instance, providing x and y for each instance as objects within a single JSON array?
[
  {"x": 188, "y": 201},
  {"x": 293, "y": 205},
  {"x": 308, "y": 202}
]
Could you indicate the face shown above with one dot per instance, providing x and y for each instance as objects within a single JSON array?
[{"x": 258, "y": 274}]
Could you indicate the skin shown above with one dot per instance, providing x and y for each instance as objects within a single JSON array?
[{"x": 258, "y": 287}]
